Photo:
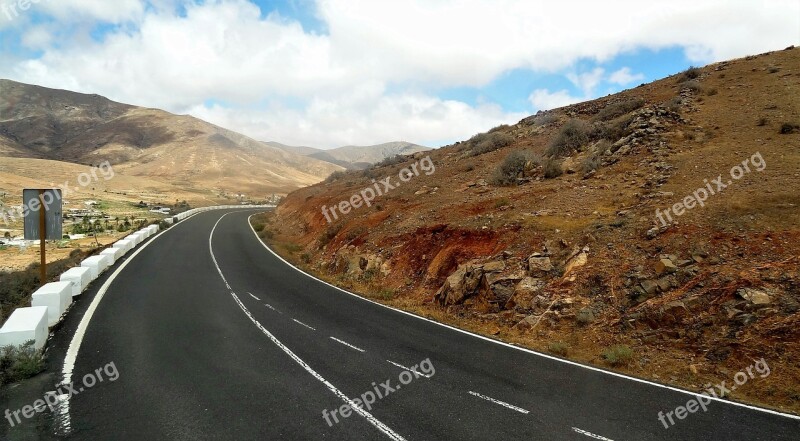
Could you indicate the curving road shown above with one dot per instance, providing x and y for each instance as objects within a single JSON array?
[{"x": 214, "y": 337}]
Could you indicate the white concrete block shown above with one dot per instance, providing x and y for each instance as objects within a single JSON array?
[
  {"x": 154, "y": 229},
  {"x": 124, "y": 244},
  {"x": 98, "y": 264},
  {"x": 25, "y": 324},
  {"x": 80, "y": 278},
  {"x": 112, "y": 253},
  {"x": 56, "y": 296}
]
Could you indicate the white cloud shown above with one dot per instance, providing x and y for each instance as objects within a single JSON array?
[
  {"x": 543, "y": 99},
  {"x": 372, "y": 76},
  {"x": 623, "y": 77}
]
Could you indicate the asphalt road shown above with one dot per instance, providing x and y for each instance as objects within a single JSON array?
[{"x": 213, "y": 337}]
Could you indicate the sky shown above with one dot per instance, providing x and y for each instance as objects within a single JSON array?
[{"x": 327, "y": 73}]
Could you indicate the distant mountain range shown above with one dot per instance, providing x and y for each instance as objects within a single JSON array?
[
  {"x": 355, "y": 157},
  {"x": 49, "y": 124}
]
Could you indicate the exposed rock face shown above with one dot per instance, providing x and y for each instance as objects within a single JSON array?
[
  {"x": 539, "y": 265},
  {"x": 460, "y": 285}
]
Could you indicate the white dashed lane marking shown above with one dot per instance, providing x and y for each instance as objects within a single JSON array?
[
  {"x": 347, "y": 344},
  {"x": 591, "y": 435},
  {"x": 303, "y": 324},
  {"x": 409, "y": 369},
  {"x": 502, "y": 403},
  {"x": 251, "y": 295}
]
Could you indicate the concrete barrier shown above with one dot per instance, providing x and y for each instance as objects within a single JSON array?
[
  {"x": 56, "y": 296},
  {"x": 125, "y": 245},
  {"x": 134, "y": 238},
  {"x": 98, "y": 264},
  {"x": 154, "y": 229},
  {"x": 80, "y": 278},
  {"x": 113, "y": 253},
  {"x": 25, "y": 324}
]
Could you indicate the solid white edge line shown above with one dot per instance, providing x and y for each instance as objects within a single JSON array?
[
  {"x": 530, "y": 351},
  {"x": 71, "y": 356},
  {"x": 408, "y": 369},
  {"x": 303, "y": 324},
  {"x": 368, "y": 416},
  {"x": 251, "y": 295},
  {"x": 347, "y": 344},
  {"x": 501, "y": 403}
]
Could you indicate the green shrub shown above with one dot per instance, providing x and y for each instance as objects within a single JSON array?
[
  {"x": 591, "y": 163},
  {"x": 559, "y": 348},
  {"x": 305, "y": 257},
  {"x": 500, "y": 203},
  {"x": 691, "y": 73},
  {"x": 512, "y": 166},
  {"x": 618, "y": 355},
  {"x": 692, "y": 85},
  {"x": 259, "y": 227},
  {"x": 571, "y": 137},
  {"x": 500, "y": 128},
  {"x": 330, "y": 233},
  {"x": 18, "y": 363},
  {"x": 392, "y": 160},
  {"x": 335, "y": 176},
  {"x": 552, "y": 168},
  {"x": 489, "y": 142},
  {"x": 616, "y": 110}
]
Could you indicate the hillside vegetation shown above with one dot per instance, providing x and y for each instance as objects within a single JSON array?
[{"x": 546, "y": 233}]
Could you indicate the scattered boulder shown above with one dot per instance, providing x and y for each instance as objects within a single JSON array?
[
  {"x": 460, "y": 285},
  {"x": 494, "y": 267},
  {"x": 665, "y": 265},
  {"x": 754, "y": 297},
  {"x": 539, "y": 264},
  {"x": 577, "y": 260}
]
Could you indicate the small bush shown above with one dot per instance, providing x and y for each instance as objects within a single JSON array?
[
  {"x": 762, "y": 122},
  {"x": 692, "y": 85},
  {"x": 259, "y": 227},
  {"x": 773, "y": 69},
  {"x": 18, "y": 363},
  {"x": 394, "y": 160},
  {"x": 571, "y": 137},
  {"x": 618, "y": 355},
  {"x": 509, "y": 170},
  {"x": 712, "y": 92},
  {"x": 329, "y": 234},
  {"x": 500, "y": 203},
  {"x": 545, "y": 119},
  {"x": 559, "y": 348},
  {"x": 591, "y": 163},
  {"x": 335, "y": 176},
  {"x": 787, "y": 128},
  {"x": 489, "y": 142},
  {"x": 616, "y": 110},
  {"x": 500, "y": 128},
  {"x": 691, "y": 73},
  {"x": 552, "y": 168},
  {"x": 305, "y": 257},
  {"x": 674, "y": 105},
  {"x": 266, "y": 234}
]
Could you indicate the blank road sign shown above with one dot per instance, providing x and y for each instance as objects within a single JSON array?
[{"x": 31, "y": 207}]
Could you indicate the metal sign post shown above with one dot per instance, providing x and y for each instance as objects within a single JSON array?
[{"x": 42, "y": 212}]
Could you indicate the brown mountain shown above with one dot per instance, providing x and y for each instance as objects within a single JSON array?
[
  {"x": 42, "y": 123},
  {"x": 356, "y": 157},
  {"x": 548, "y": 233}
]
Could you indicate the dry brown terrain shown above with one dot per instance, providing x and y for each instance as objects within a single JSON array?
[
  {"x": 169, "y": 151},
  {"x": 695, "y": 302}
]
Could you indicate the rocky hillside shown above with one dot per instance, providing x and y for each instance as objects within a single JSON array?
[
  {"x": 654, "y": 231},
  {"x": 41, "y": 123},
  {"x": 356, "y": 157}
]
